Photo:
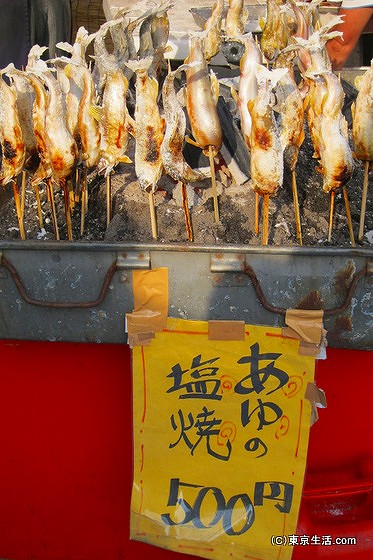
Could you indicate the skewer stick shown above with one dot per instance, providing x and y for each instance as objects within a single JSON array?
[
  {"x": 83, "y": 200},
  {"x": 23, "y": 191},
  {"x": 188, "y": 221},
  {"x": 331, "y": 213},
  {"x": 296, "y": 206},
  {"x": 265, "y": 219},
  {"x": 67, "y": 200},
  {"x": 38, "y": 202},
  {"x": 256, "y": 217},
  {"x": 153, "y": 218},
  {"x": 213, "y": 185},
  {"x": 349, "y": 220},
  {"x": 364, "y": 201},
  {"x": 108, "y": 199},
  {"x": 18, "y": 209},
  {"x": 53, "y": 208}
]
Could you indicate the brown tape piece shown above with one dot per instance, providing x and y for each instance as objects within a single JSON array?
[
  {"x": 305, "y": 324},
  {"x": 226, "y": 330},
  {"x": 317, "y": 398},
  {"x": 150, "y": 292}
]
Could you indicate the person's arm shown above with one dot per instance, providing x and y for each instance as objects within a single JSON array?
[{"x": 356, "y": 20}]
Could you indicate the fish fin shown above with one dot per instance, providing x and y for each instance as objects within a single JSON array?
[
  {"x": 214, "y": 86},
  {"x": 357, "y": 82},
  {"x": 262, "y": 22},
  {"x": 64, "y": 46},
  {"x": 234, "y": 95},
  {"x": 192, "y": 142},
  {"x": 95, "y": 112},
  {"x": 140, "y": 65},
  {"x": 124, "y": 159}
]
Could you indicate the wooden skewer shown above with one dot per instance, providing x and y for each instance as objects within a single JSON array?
[
  {"x": 213, "y": 185},
  {"x": 67, "y": 201},
  {"x": 38, "y": 202},
  {"x": 349, "y": 220},
  {"x": 256, "y": 217},
  {"x": 188, "y": 221},
  {"x": 296, "y": 206},
  {"x": 265, "y": 219},
  {"x": 83, "y": 200},
  {"x": 50, "y": 196},
  {"x": 331, "y": 213},
  {"x": 18, "y": 209},
  {"x": 153, "y": 218},
  {"x": 363, "y": 201},
  {"x": 108, "y": 199},
  {"x": 23, "y": 191}
]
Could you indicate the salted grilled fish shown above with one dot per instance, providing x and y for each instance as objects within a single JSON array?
[
  {"x": 88, "y": 127},
  {"x": 362, "y": 117},
  {"x": 44, "y": 169},
  {"x": 248, "y": 84},
  {"x": 154, "y": 29},
  {"x": 235, "y": 19},
  {"x": 112, "y": 118},
  {"x": 336, "y": 160},
  {"x": 174, "y": 137},
  {"x": 25, "y": 102},
  {"x": 61, "y": 146},
  {"x": 201, "y": 99},
  {"x": 266, "y": 154},
  {"x": 213, "y": 33},
  {"x": 11, "y": 140},
  {"x": 149, "y": 126},
  {"x": 290, "y": 108},
  {"x": 275, "y": 35}
]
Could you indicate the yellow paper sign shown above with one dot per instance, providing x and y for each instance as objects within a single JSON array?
[{"x": 220, "y": 441}]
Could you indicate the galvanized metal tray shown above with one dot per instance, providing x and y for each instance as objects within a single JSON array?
[{"x": 81, "y": 291}]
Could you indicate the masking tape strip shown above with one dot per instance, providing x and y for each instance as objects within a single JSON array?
[
  {"x": 317, "y": 398},
  {"x": 306, "y": 324},
  {"x": 150, "y": 292},
  {"x": 226, "y": 330}
]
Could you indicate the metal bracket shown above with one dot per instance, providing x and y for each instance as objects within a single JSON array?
[{"x": 222, "y": 265}]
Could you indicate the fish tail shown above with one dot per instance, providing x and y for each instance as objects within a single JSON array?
[{"x": 140, "y": 65}]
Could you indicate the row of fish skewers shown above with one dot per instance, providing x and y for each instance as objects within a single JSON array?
[{"x": 61, "y": 118}]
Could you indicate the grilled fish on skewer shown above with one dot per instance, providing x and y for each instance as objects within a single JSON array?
[
  {"x": 149, "y": 126},
  {"x": 274, "y": 36},
  {"x": 213, "y": 33},
  {"x": 112, "y": 118},
  {"x": 266, "y": 150},
  {"x": 172, "y": 144},
  {"x": 148, "y": 132},
  {"x": 335, "y": 153},
  {"x": 88, "y": 127},
  {"x": 362, "y": 117},
  {"x": 235, "y": 19},
  {"x": 25, "y": 101},
  {"x": 154, "y": 29},
  {"x": 248, "y": 85},
  {"x": 201, "y": 99},
  {"x": 11, "y": 140},
  {"x": 202, "y": 93},
  {"x": 61, "y": 145},
  {"x": 362, "y": 124},
  {"x": 290, "y": 107}
]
